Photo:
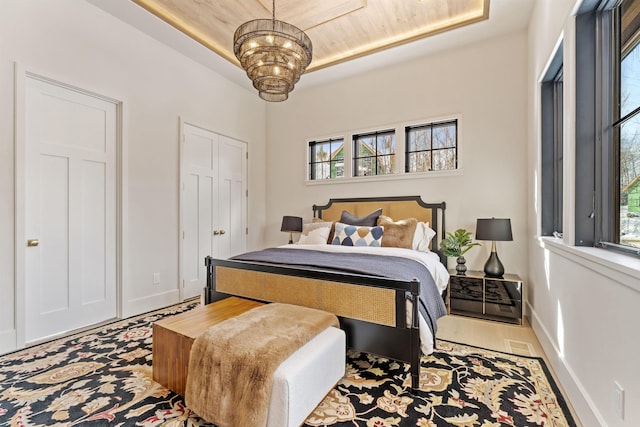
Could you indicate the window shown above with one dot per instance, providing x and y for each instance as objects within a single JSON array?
[
  {"x": 626, "y": 127},
  {"x": 425, "y": 146},
  {"x": 374, "y": 153},
  {"x": 607, "y": 157},
  {"x": 431, "y": 147},
  {"x": 326, "y": 159},
  {"x": 551, "y": 135}
]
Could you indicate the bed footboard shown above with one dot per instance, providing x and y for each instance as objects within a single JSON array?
[{"x": 372, "y": 310}]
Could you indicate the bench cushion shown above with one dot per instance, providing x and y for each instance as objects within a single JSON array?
[{"x": 303, "y": 380}]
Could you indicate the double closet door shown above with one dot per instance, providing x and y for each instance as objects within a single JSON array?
[{"x": 214, "y": 202}]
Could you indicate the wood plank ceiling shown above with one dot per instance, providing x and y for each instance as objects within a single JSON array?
[{"x": 340, "y": 30}]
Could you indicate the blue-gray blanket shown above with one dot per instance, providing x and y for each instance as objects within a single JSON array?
[{"x": 431, "y": 303}]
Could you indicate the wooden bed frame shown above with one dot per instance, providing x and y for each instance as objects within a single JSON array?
[{"x": 372, "y": 310}]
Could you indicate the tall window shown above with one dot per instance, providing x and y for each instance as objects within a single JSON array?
[
  {"x": 374, "y": 153},
  {"x": 326, "y": 159},
  {"x": 431, "y": 147},
  {"x": 626, "y": 126},
  {"x": 557, "y": 150},
  {"x": 552, "y": 147},
  {"x": 608, "y": 154}
]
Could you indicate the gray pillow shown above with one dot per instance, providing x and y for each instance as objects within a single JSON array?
[{"x": 370, "y": 220}]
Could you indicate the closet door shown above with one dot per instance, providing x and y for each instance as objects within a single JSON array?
[
  {"x": 213, "y": 202},
  {"x": 232, "y": 197}
]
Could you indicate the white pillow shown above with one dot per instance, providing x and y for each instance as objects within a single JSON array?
[
  {"x": 315, "y": 233},
  {"x": 422, "y": 237}
]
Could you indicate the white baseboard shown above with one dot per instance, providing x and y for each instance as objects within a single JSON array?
[
  {"x": 129, "y": 308},
  {"x": 573, "y": 388},
  {"x": 7, "y": 341},
  {"x": 137, "y": 306}
]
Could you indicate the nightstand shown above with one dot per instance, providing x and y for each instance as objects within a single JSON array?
[{"x": 475, "y": 295}]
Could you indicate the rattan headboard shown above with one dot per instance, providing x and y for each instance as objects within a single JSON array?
[{"x": 397, "y": 207}]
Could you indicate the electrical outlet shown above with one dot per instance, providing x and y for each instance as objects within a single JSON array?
[
  {"x": 156, "y": 278},
  {"x": 619, "y": 399}
]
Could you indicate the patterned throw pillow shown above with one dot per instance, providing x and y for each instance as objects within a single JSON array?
[
  {"x": 354, "y": 235},
  {"x": 315, "y": 233}
]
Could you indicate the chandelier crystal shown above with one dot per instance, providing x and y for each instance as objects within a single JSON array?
[{"x": 274, "y": 54}]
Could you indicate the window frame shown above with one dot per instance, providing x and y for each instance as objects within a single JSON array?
[
  {"x": 617, "y": 120},
  {"x": 375, "y": 156},
  {"x": 431, "y": 150},
  {"x": 597, "y": 161},
  {"x": 552, "y": 169},
  {"x": 311, "y": 171},
  {"x": 587, "y": 111}
]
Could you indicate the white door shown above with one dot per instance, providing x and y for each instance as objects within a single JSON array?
[
  {"x": 232, "y": 198},
  {"x": 199, "y": 173},
  {"x": 70, "y": 209},
  {"x": 214, "y": 209}
]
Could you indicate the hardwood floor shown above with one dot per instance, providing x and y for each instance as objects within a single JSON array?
[
  {"x": 489, "y": 334},
  {"x": 495, "y": 336}
]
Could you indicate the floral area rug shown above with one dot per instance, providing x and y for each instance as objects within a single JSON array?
[
  {"x": 103, "y": 377},
  {"x": 460, "y": 386}
]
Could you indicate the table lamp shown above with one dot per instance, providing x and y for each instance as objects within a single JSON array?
[
  {"x": 494, "y": 229},
  {"x": 291, "y": 224}
]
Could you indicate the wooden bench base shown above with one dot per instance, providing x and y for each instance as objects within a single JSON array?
[{"x": 174, "y": 336}]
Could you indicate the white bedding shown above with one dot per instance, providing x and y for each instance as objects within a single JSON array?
[{"x": 428, "y": 259}]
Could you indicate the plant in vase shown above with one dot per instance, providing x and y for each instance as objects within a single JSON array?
[{"x": 457, "y": 244}]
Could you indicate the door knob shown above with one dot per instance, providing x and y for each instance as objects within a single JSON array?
[
  {"x": 216, "y": 232},
  {"x": 33, "y": 242},
  {"x": 222, "y": 231}
]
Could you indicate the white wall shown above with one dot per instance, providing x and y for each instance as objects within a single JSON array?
[
  {"x": 81, "y": 45},
  {"x": 483, "y": 83},
  {"x": 583, "y": 302}
]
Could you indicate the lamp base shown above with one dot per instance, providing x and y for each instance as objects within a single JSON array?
[
  {"x": 493, "y": 267},
  {"x": 290, "y": 237}
]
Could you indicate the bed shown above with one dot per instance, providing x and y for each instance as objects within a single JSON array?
[{"x": 385, "y": 301}]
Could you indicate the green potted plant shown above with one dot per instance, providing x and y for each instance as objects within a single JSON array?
[{"x": 457, "y": 244}]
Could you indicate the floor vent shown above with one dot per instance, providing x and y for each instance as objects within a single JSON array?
[{"x": 519, "y": 347}]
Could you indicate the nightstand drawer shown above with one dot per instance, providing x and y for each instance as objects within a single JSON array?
[
  {"x": 500, "y": 291},
  {"x": 466, "y": 294},
  {"x": 507, "y": 310},
  {"x": 503, "y": 299}
]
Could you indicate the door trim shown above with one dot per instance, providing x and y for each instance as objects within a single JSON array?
[{"x": 21, "y": 74}]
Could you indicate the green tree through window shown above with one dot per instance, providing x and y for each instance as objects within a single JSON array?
[
  {"x": 326, "y": 159},
  {"x": 374, "y": 153}
]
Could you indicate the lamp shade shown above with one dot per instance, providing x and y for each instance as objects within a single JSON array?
[
  {"x": 496, "y": 229},
  {"x": 291, "y": 223}
]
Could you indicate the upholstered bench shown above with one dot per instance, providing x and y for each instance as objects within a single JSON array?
[
  {"x": 299, "y": 383},
  {"x": 304, "y": 379}
]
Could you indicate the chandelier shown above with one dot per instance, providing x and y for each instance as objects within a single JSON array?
[{"x": 274, "y": 55}]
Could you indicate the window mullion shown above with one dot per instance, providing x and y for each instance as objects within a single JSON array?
[{"x": 400, "y": 150}]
